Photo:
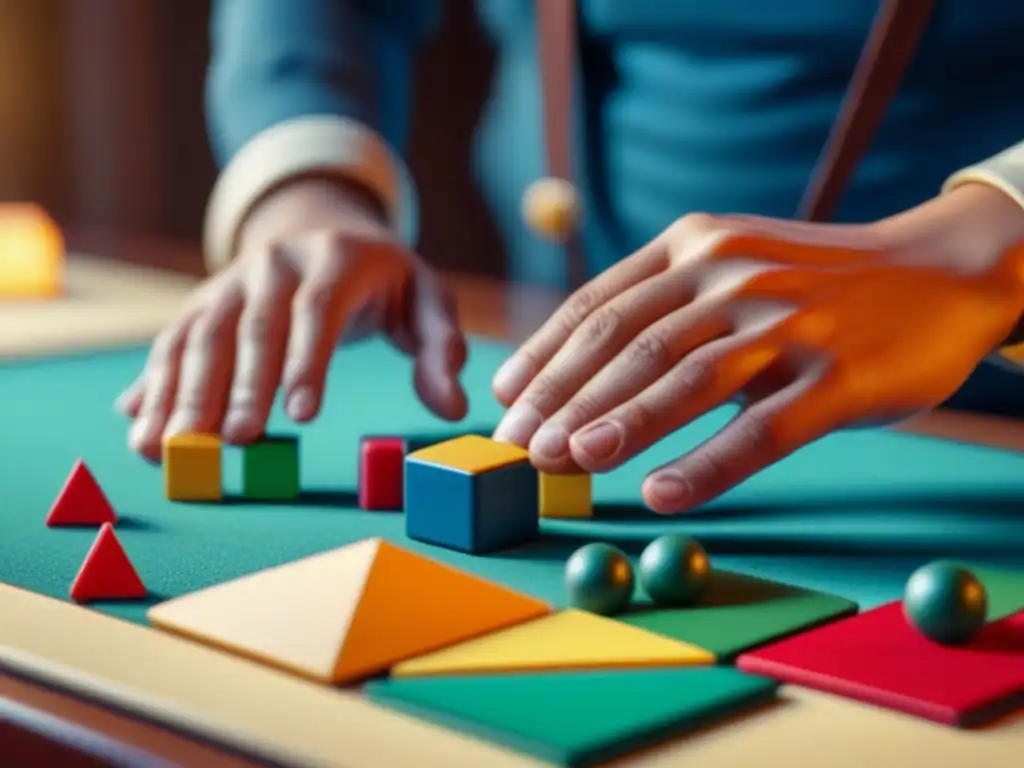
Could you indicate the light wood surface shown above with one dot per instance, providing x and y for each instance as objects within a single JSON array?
[
  {"x": 186, "y": 687},
  {"x": 107, "y": 303}
]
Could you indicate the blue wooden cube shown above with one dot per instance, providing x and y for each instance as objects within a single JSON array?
[{"x": 471, "y": 494}]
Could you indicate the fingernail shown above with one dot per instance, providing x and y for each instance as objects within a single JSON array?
[
  {"x": 601, "y": 441},
  {"x": 550, "y": 442},
  {"x": 519, "y": 424},
  {"x": 511, "y": 377},
  {"x": 235, "y": 423},
  {"x": 300, "y": 404},
  {"x": 180, "y": 422},
  {"x": 669, "y": 489},
  {"x": 138, "y": 433},
  {"x": 121, "y": 404}
]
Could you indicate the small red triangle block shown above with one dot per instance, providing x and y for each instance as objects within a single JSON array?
[
  {"x": 107, "y": 573},
  {"x": 81, "y": 501}
]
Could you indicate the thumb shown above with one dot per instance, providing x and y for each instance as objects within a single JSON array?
[{"x": 435, "y": 340}]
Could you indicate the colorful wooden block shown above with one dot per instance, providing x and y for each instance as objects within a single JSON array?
[
  {"x": 471, "y": 494},
  {"x": 381, "y": 462},
  {"x": 382, "y": 465},
  {"x": 346, "y": 614},
  {"x": 270, "y": 469},
  {"x": 192, "y": 467},
  {"x": 879, "y": 658},
  {"x": 417, "y": 441},
  {"x": 578, "y": 719},
  {"x": 565, "y": 496}
]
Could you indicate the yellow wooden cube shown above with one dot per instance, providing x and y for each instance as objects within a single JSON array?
[
  {"x": 192, "y": 468},
  {"x": 565, "y": 496}
]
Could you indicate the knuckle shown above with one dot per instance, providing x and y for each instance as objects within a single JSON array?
[
  {"x": 694, "y": 224},
  {"x": 315, "y": 297},
  {"x": 579, "y": 307},
  {"x": 256, "y": 325},
  {"x": 697, "y": 371},
  {"x": 761, "y": 433},
  {"x": 651, "y": 350},
  {"x": 600, "y": 327}
]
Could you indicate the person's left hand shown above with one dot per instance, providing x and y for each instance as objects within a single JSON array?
[{"x": 811, "y": 327}]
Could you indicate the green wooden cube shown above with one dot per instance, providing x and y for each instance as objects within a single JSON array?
[{"x": 270, "y": 469}]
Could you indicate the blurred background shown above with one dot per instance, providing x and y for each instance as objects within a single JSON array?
[{"x": 101, "y": 122}]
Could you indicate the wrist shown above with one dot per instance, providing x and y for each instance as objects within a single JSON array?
[
  {"x": 970, "y": 228},
  {"x": 311, "y": 203}
]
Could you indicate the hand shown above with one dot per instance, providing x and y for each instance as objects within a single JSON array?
[
  {"x": 811, "y": 327},
  {"x": 314, "y": 260}
]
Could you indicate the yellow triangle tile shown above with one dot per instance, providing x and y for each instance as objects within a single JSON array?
[
  {"x": 345, "y": 614},
  {"x": 568, "y": 640}
]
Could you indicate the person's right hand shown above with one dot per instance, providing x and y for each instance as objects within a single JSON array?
[{"x": 315, "y": 261}]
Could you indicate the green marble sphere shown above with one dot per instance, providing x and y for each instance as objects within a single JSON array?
[
  {"x": 674, "y": 570},
  {"x": 599, "y": 579},
  {"x": 945, "y": 602}
]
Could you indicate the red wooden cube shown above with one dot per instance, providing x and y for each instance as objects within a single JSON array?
[{"x": 381, "y": 463}]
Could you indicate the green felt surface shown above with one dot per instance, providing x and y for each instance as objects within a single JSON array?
[
  {"x": 578, "y": 718},
  {"x": 853, "y": 514}
]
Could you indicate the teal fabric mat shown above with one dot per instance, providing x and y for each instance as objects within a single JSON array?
[{"x": 852, "y": 514}]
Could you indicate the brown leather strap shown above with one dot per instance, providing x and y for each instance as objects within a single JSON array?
[{"x": 890, "y": 47}]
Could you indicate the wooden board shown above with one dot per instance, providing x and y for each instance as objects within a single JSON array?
[
  {"x": 297, "y": 723},
  {"x": 107, "y": 304}
]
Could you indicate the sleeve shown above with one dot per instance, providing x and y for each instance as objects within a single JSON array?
[
  {"x": 1004, "y": 171},
  {"x": 301, "y": 86}
]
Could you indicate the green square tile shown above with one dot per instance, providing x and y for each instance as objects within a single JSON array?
[
  {"x": 578, "y": 719},
  {"x": 740, "y": 612},
  {"x": 270, "y": 469}
]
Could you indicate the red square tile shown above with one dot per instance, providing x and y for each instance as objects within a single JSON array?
[
  {"x": 879, "y": 658},
  {"x": 381, "y": 461}
]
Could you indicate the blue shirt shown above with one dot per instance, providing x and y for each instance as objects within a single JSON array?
[{"x": 695, "y": 105}]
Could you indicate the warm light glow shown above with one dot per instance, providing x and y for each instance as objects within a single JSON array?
[{"x": 31, "y": 253}]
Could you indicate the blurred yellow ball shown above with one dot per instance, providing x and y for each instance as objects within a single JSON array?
[{"x": 551, "y": 209}]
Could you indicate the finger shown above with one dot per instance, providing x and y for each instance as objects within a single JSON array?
[
  {"x": 761, "y": 435},
  {"x": 260, "y": 346},
  {"x": 703, "y": 380},
  {"x": 130, "y": 400},
  {"x": 161, "y": 375},
  {"x": 513, "y": 377},
  {"x": 205, "y": 376},
  {"x": 441, "y": 349},
  {"x": 594, "y": 344},
  {"x": 320, "y": 311},
  {"x": 651, "y": 355}
]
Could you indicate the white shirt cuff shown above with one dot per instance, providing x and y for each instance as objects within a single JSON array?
[
  {"x": 1004, "y": 171},
  {"x": 318, "y": 143}
]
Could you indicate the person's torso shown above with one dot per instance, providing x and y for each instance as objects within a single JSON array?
[{"x": 724, "y": 106}]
